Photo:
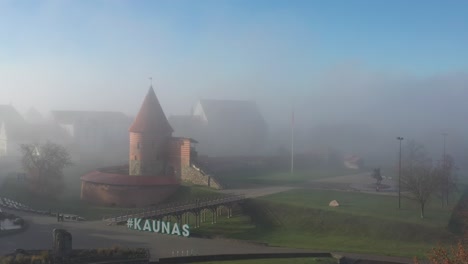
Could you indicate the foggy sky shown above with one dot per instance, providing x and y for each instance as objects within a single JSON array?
[{"x": 352, "y": 64}]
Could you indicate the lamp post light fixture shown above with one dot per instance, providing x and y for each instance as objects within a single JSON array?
[{"x": 399, "y": 175}]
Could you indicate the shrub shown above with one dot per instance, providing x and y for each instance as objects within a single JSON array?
[
  {"x": 455, "y": 255},
  {"x": 7, "y": 260},
  {"x": 18, "y": 221},
  {"x": 45, "y": 254},
  {"x": 21, "y": 259},
  {"x": 38, "y": 259}
]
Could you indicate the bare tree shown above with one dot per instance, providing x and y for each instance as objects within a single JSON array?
[
  {"x": 419, "y": 180},
  {"x": 44, "y": 165},
  {"x": 378, "y": 177},
  {"x": 448, "y": 180}
]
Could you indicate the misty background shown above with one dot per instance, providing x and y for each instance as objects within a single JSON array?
[{"x": 356, "y": 74}]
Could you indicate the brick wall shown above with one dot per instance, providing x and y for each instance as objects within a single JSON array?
[
  {"x": 146, "y": 154},
  {"x": 179, "y": 155}
]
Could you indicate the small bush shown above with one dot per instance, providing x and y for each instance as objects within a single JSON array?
[
  {"x": 7, "y": 260},
  {"x": 45, "y": 254},
  {"x": 38, "y": 259}
]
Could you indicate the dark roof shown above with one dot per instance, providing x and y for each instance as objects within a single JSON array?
[
  {"x": 183, "y": 125},
  {"x": 47, "y": 131},
  {"x": 8, "y": 114},
  {"x": 70, "y": 117},
  {"x": 232, "y": 111},
  {"x": 151, "y": 117},
  {"x": 14, "y": 124},
  {"x": 33, "y": 115}
]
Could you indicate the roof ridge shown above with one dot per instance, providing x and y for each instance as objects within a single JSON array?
[{"x": 151, "y": 117}]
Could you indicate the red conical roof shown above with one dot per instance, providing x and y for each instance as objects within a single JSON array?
[{"x": 151, "y": 118}]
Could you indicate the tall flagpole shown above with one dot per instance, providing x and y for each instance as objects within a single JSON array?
[{"x": 292, "y": 142}]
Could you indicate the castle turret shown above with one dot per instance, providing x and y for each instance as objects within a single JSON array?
[{"x": 149, "y": 135}]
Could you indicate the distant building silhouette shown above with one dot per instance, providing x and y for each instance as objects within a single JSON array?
[
  {"x": 93, "y": 133},
  {"x": 13, "y": 131},
  {"x": 224, "y": 127}
]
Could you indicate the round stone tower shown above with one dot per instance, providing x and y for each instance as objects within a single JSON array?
[{"x": 149, "y": 136}]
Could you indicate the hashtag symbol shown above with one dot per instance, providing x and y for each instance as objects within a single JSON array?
[{"x": 130, "y": 223}]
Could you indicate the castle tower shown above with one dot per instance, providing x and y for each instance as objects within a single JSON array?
[{"x": 149, "y": 135}]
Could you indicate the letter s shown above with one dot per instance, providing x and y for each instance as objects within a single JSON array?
[{"x": 185, "y": 230}]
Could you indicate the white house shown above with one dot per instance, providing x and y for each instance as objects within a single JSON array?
[{"x": 13, "y": 131}]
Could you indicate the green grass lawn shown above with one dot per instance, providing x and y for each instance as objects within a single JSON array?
[
  {"x": 251, "y": 177},
  {"x": 365, "y": 223},
  {"x": 363, "y": 204},
  {"x": 279, "y": 261}
]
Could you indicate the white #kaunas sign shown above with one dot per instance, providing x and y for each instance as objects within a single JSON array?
[{"x": 157, "y": 226}]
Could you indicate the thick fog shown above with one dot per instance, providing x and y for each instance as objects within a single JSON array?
[{"x": 343, "y": 97}]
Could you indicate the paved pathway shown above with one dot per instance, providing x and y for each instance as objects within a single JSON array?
[
  {"x": 257, "y": 192},
  {"x": 361, "y": 182}
]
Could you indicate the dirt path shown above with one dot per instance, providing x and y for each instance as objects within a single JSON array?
[
  {"x": 258, "y": 192},
  {"x": 362, "y": 182}
]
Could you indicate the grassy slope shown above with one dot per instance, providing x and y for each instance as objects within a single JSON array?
[
  {"x": 362, "y": 204},
  {"x": 366, "y": 223}
]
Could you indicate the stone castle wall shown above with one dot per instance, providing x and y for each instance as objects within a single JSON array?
[{"x": 195, "y": 176}]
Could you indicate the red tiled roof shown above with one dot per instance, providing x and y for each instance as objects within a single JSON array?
[
  {"x": 127, "y": 180},
  {"x": 151, "y": 118}
]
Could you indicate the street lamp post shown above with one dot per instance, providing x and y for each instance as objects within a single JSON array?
[
  {"x": 399, "y": 175},
  {"x": 444, "y": 171}
]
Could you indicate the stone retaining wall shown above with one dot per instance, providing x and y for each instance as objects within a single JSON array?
[{"x": 192, "y": 174}]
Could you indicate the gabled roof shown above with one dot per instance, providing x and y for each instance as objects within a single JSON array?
[
  {"x": 8, "y": 114},
  {"x": 70, "y": 117},
  {"x": 33, "y": 115},
  {"x": 14, "y": 124},
  {"x": 231, "y": 111},
  {"x": 182, "y": 122},
  {"x": 151, "y": 117}
]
